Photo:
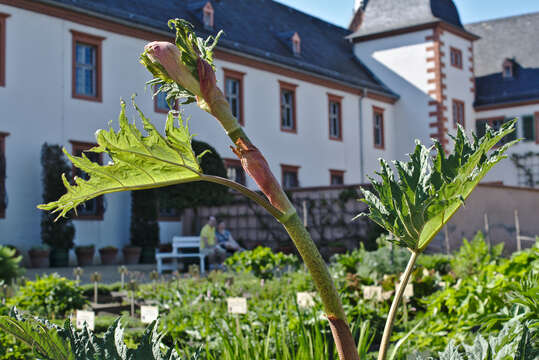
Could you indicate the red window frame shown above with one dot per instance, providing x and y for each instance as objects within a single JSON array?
[
  {"x": 92, "y": 40},
  {"x": 378, "y": 111},
  {"x": 291, "y": 169},
  {"x": 235, "y": 163},
  {"x": 238, "y": 76},
  {"x": 455, "y": 111},
  {"x": 336, "y": 173},
  {"x": 456, "y": 57},
  {"x": 336, "y": 99},
  {"x": 3, "y": 18},
  {"x": 3, "y": 176},
  {"x": 284, "y": 86},
  {"x": 79, "y": 147}
]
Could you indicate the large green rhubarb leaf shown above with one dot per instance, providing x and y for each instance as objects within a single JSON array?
[
  {"x": 429, "y": 190},
  {"x": 137, "y": 162}
]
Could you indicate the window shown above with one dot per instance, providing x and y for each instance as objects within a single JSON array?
[
  {"x": 378, "y": 127},
  {"x": 528, "y": 128},
  {"x": 234, "y": 93},
  {"x": 160, "y": 103},
  {"x": 458, "y": 113},
  {"x": 86, "y": 58},
  {"x": 207, "y": 15},
  {"x": 234, "y": 171},
  {"x": 290, "y": 176},
  {"x": 3, "y": 192},
  {"x": 495, "y": 123},
  {"x": 336, "y": 177},
  {"x": 335, "y": 117},
  {"x": 288, "y": 106},
  {"x": 456, "y": 57},
  {"x": 3, "y": 49},
  {"x": 91, "y": 209},
  {"x": 507, "y": 67}
]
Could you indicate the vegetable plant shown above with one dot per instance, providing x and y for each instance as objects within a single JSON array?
[{"x": 413, "y": 208}]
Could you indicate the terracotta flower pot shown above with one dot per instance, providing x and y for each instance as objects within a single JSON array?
[
  {"x": 85, "y": 255},
  {"x": 39, "y": 258},
  {"x": 131, "y": 254},
  {"x": 108, "y": 255}
]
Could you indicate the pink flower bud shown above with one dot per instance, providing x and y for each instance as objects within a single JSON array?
[{"x": 169, "y": 57}]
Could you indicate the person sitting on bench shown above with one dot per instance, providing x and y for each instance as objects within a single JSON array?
[
  {"x": 208, "y": 244},
  {"x": 225, "y": 239}
]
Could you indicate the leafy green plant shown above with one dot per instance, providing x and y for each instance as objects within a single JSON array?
[
  {"x": 512, "y": 343},
  {"x": 262, "y": 262},
  {"x": 52, "y": 342},
  {"x": 428, "y": 191},
  {"x": 473, "y": 256},
  {"x": 50, "y": 295},
  {"x": 10, "y": 268}
]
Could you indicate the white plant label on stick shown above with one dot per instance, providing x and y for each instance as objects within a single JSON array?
[
  {"x": 87, "y": 317},
  {"x": 409, "y": 291},
  {"x": 148, "y": 314},
  {"x": 305, "y": 299},
  {"x": 372, "y": 292},
  {"x": 237, "y": 305}
]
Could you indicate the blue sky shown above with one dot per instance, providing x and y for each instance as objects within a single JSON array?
[{"x": 340, "y": 11}]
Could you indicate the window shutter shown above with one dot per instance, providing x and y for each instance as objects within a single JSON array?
[{"x": 528, "y": 128}]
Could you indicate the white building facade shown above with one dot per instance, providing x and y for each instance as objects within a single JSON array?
[{"x": 64, "y": 66}]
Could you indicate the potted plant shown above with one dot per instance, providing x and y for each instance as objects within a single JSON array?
[
  {"x": 39, "y": 256},
  {"x": 144, "y": 225},
  {"x": 108, "y": 255},
  {"x": 131, "y": 254},
  {"x": 59, "y": 234},
  {"x": 85, "y": 255}
]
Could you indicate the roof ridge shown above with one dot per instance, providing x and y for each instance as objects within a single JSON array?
[{"x": 503, "y": 18}]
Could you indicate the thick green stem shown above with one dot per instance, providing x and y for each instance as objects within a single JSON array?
[
  {"x": 342, "y": 335},
  {"x": 386, "y": 337}
]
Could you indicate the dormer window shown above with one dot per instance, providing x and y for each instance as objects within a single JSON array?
[
  {"x": 207, "y": 15},
  {"x": 507, "y": 69},
  {"x": 296, "y": 44}
]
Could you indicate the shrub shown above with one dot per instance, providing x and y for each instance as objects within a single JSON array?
[
  {"x": 57, "y": 234},
  {"x": 9, "y": 264},
  {"x": 195, "y": 194},
  {"x": 473, "y": 256},
  {"x": 49, "y": 296},
  {"x": 144, "y": 226},
  {"x": 262, "y": 262},
  {"x": 436, "y": 262}
]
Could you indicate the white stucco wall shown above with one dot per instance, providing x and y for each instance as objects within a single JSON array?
[{"x": 401, "y": 63}]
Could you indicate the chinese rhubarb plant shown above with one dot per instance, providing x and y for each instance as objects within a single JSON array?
[{"x": 413, "y": 208}]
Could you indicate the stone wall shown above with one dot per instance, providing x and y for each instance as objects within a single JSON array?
[{"x": 330, "y": 210}]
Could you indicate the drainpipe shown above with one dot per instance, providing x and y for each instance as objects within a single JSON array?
[{"x": 361, "y": 155}]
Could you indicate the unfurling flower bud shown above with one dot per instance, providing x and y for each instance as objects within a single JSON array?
[
  {"x": 257, "y": 167},
  {"x": 169, "y": 57}
]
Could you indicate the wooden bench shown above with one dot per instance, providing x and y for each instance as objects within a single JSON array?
[{"x": 180, "y": 243}]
